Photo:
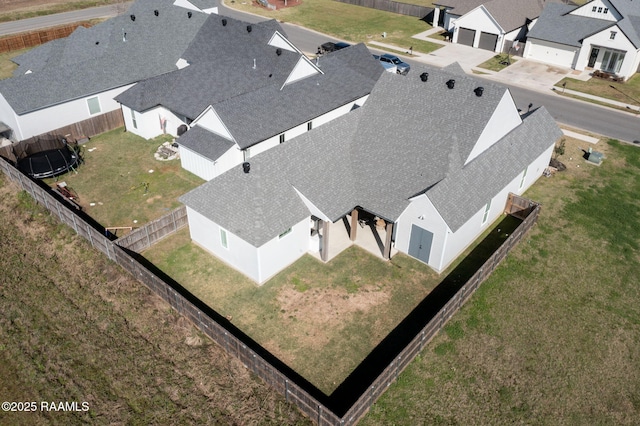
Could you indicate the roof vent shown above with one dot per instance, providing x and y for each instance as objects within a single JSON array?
[
  {"x": 224, "y": 22},
  {"x": 248, "y": 28},
  {"x": 133, "y": 17},
  {"x": 189, "y": 15},
  {"x": 246, "y": 167},
  {"x": 278, "y": 51},
  {"x": 451, "y": 83},
  {"x": 270, "y": 75},
  {"x": 478, "y": 91},
  {"x": 97, "y": 43},
  {"x": 424, "y": 76},
  {"x": 156, "y": 12}
]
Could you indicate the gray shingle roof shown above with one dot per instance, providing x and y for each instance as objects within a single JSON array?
[
  {"x": 206, "y": 143},
  {"x": 510, "y": 14},
  {"x": 399, "y": 144},
  {"x": 557, "y": 25},
  {"x": 96, "y": 59}
]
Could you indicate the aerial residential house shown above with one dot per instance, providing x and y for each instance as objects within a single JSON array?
[
  {"x": 601, "y": 35},
  {"x": 242, "y": 89},
  {"x": 495, "y": 25},
  {"x": 70, "y": 80},
  {"x": 433, "y": 175}
]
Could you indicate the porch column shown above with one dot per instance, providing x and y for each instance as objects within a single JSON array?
[
  {"x": 387, "y": 241},
  {"x": 354, "y": 224},
  {"x": 324, "y": 249},
  {"x": 436, "y": 16}
]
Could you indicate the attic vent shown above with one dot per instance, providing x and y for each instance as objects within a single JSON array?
[
  {"x": 478, "y": 91},
  {"x": 155, "y": 12},
  {"x": 189, "y": 15},
  {"x": 224, "y": 22},
  {"x": 133, "y": 17},
  {"x": 424, "y": 76},
  {"x": 451, "y": 83},
  {"x": 246, "y": 167},
  {"x": 278, "y": 51},
  {"x": 248, "y": 28}
]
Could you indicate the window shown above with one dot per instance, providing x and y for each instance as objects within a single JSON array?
[
  {"x": 288, "y": 231},
  {"x": 524, "y": 175},
  {"x": 223, "y": 238},
  {"x": 606, "y": 10},
  {"x": 281, "y": 137},
  {"x": 600, "y": 10},
  {"x": 94, "y": 105},
  {"x": 486, "y": 212},
  {"x": 594, "y": 8},
  {"x": 246, "y": 154},
  {"x": 612, "y": 35},
  {"x": 133, "y": 119},
  {"x": 309, "y": 126}
]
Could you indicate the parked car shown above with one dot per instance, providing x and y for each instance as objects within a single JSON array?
[
  {"x": 388, "y": 66},
  {"x": 403, "y": 67},
  {"x": 332, "y": 47}
]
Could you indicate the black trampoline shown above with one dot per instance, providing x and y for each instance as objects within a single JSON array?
[{"x": 48, "y": 163}]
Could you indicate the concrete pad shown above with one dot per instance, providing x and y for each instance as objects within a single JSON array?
[
  {"x": 580, "y": 136},
  {"x": 532, "y": 74}
]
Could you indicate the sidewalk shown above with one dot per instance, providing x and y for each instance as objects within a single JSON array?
[{"x": 525, "y": 73}]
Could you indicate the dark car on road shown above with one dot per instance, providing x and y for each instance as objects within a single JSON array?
[{"x": 332, "y": 47}]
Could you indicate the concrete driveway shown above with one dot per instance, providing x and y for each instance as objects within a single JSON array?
[{"x": 532, "y": 74}]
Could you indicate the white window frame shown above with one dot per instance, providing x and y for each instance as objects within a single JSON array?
[
  {"x": 282, "y": 138},
  {"x": 224, "y": 238},
  {"x": 524, "y": 176},
  {"x": 309, "y": 126},
  {"x": 487, "y": 209},
  {"x": 97, "y": 99},
  {"x": 134, "y": 122},
  {"x": 612, "y": 35},
  {"x": 285, "y": 233}
]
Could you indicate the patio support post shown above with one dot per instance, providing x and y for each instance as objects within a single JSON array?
[
  {"x": 387, "y": 241},
  {"x": 324, "y": 250},
  {"x": 354, "y": 224}
]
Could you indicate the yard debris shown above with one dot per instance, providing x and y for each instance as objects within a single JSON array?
[{"x": 166, "y": 152}]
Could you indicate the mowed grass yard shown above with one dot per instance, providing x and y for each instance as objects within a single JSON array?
[
  {"x": 348, "y": 22},
  {"x": 114, "y": 183},
  {"x": 552, "y": 336}
]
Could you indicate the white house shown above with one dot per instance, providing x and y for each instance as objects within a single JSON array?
[
  {"x": 494, "y": 25},
  {"x": 436, "y": 173},
  {"x": 601, "y": 35},
  {"x": 242, "y": 89},
  {"x": 76, "y": 78}
]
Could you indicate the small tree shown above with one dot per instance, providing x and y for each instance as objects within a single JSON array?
[{"x": 559, "y": 149}]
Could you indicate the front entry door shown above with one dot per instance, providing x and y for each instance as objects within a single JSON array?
[
  {"x": 420, "y": 243},
  {"x": 593, "y": 57}
]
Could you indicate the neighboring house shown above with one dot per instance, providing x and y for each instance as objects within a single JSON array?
[
  {"x": 436, "y": 174},
  {"x": 601, "y": 34},
  {"x": 488, "y": 24},
  {"x": 242, "y": 89},
  {"x": 69, "y": 80}
]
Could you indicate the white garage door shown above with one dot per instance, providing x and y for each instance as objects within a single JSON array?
[{"x": 555, "y": 54}]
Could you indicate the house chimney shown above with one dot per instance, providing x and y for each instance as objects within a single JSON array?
[
  {"x": 278, "y": 51},
  {"x": 248, "y": 28},
  {"x": 156, "y": 12},
  {"x": 224, "y": 22},
  {"x": 246, "y": 167},
  {"x": 478, "y": 91},
  {"x": 424, "y": 76},
  {"x": 133, "y": 17},
  {"x": 451, "y": 83}
]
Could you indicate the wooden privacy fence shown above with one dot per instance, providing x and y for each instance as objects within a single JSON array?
[
  {"x": 36, "y": 38},
  {"x": 393, "y": 6},
  {"x": 142, "y": 238},
  {"x": 255, "y": 358},
  {"x": 87, "y": 128}
]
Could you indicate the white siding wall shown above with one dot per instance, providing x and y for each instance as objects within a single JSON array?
[
  {"x": 8, "y": 117},
  {"x": 480, "y": 20},
  {"x": 148, "y": 122},
  {"x": 422, "y": 213},
  {"x": 279, "y": 253},
  {"x": 551, "y": 53},
  {"x": 587, "y": 10},
  {"x": 603, "y": 40},
  {"x": 240, "y": 254},
  {"x": 449, "y": 20},
  {"x": 205, "y": 168},
  {"x": 46, "y": 120}
]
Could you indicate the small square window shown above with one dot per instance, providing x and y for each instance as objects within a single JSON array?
[
  {"x": 309, "y": 126},
  {"x": 594, "y": 8},
  {"x": 94, "y": 105},
  {"x": 606, "y": 10},
  {"x": 599, "y": 10},
  {"x": 613, "y": 35},
  {"x": 281, "y": 137}
]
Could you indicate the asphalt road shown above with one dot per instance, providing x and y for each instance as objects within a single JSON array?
[{"x": 577, "y": 114}]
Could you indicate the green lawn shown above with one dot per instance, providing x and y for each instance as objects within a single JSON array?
[
  {"x": 116, "y": 167},
  {"x": 352, "y": 23},
  {"x": 497, "y": 62},
  {"x": 552, "y": 336},
  {"x": 6, "y": 65},
  {"x": 628, "y": 92},
  {"x": 16, "y": 12}
]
